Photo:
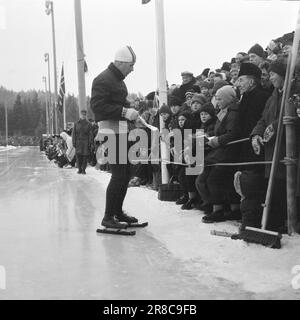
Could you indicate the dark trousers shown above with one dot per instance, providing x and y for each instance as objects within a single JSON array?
[
  {"x": 215, "y": 186},
  {"x": 187, "y": 181},
  {"x": 117, "y": 187},
  {"x": 251, "y": 206},
  {"x": 81, "y": 162}
]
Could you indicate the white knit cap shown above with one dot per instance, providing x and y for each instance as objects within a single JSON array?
[{"x": 125, "y": 54}]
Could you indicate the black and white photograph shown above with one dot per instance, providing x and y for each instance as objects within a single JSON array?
[{"x": 149, "y": 153}]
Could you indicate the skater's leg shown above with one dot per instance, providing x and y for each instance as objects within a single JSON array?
[{"x": 115, "y": 189}]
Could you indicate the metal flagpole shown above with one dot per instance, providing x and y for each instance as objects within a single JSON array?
[
  {"x": 64, "y": 112},
  {"x": 6, "y": 124},
  {"x": 46, "y": 101},
  {"x": 50, "y": 10},
  {"x": 80, "y": 56},
  {"x": 161, "y": 76},
  {"x": 47, "y": 59}
]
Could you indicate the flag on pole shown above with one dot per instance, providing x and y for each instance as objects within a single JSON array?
[
  {"x": 145, "y": 1},
  {"x": 62, "y": 91}
]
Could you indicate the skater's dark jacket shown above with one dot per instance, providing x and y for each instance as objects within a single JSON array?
[
  {"x": 109, "y": 94},
  {"x": 226, "y": 130}
]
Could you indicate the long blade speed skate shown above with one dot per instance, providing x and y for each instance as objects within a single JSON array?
[{"x": 116, "y": 231}]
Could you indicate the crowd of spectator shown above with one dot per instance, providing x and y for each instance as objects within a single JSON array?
[
  {"x": 240, "y": 101},
  {"x": 237, "y": 106}
]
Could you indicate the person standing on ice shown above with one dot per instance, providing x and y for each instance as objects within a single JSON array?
[
  {"x": 82, "y": 139},
  {"x": 112, "y": 111}
]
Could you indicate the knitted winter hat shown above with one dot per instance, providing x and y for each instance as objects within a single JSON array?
[
  {"x": 125, "y": 54},
  {"x": 209, "y": 108},
  {"x": 278, "y": 66},
  {"x": 249, "y": 69},
  {"x": 258, "y": 50},
  {"x": 227, "y": 93},
  {"x": 199, "y": 98},
  {"x": 164, "y": 109},
  {"x": 190, "y": 92}
]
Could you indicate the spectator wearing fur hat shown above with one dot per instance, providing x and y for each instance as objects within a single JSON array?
[
  {"x": 226, "y": 69},
  {"x": 215, "y": 184},
  {"x": 176, "y": 106},
  {"x": 204, "y": 89},
  {"x": 188, "y": 97},
  {"x": 208, "y": 119},
  {"x": 198, "y": 101},
  {"x": 251, "y": 105},
  {"x": 256, "y": 54}
]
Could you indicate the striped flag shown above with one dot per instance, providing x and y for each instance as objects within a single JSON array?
[
  {"x": 62, "y": 91},
  {"x": 145, "y": 1}
]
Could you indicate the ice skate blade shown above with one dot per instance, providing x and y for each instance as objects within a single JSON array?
[
  {"x": 137, "y": 225},
  {"x": 116, "y": 231}
]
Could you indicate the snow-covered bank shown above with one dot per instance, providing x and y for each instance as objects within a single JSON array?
[
  {"x": 263, "y": 271},
  {"x": 2, "y": 148}
]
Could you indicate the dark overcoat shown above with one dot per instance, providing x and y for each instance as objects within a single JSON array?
[
  {"x": 251, "y": 108},
  {"x": 270, "y": 116},
  {"x": 226, "y": 130},
  {"x": 82, "y": 137}
]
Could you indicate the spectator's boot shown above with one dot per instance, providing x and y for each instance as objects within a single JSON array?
[
  {"x": 183, "y": 199},
  {"x": 216, "y": 216},
  {"x": 189, "y": 204}
]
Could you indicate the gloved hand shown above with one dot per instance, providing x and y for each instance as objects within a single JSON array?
[
  {"x": 269, "y": 132},
  {"x": 213, "y": 143},
  {"x": 130, "y": 114},
  {"x": 257, "y": 143}
]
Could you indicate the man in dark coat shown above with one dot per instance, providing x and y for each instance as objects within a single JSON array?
[
  {"x": 188, "y": 83},
  {"x": 82, "y": 139},
  {"x": 264, "y": 136},
  {"x": 111, "y": 109},
  {"x": 251, "y": 106}
]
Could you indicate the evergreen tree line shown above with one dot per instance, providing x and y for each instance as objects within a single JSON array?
[{"x": 27, "y": 112}]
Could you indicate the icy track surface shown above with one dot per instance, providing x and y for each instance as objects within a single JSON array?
[{"x": 50, "y": 249}]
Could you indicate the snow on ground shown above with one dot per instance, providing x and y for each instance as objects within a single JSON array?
[
  {"x": 257, "y": 268},
  {"x": 2, "y": 148}
]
